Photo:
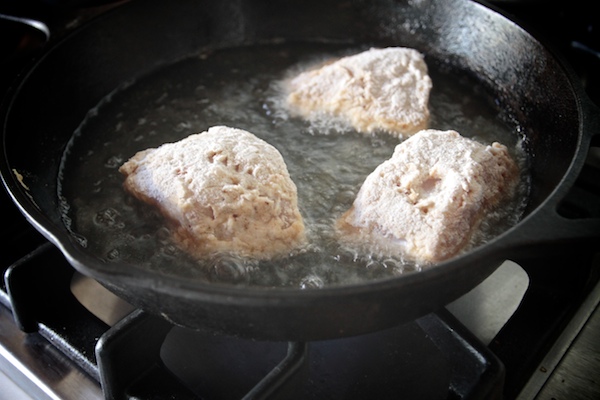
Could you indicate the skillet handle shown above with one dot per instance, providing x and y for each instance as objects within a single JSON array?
[
  {"x": 551, "y": 233},
  {"x": 570, "y": 218}
]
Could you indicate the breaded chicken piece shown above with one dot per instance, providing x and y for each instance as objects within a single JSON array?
[
  {"x": 425, "y": 202},
  {"x": 379, "y": 89},
  {"x": 223, "y": 190}
]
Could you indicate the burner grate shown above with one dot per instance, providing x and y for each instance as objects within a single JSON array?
[{"x": 433, "y": 357}]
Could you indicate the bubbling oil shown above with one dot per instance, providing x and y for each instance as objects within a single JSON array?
[{"x": 240, "y": 88}]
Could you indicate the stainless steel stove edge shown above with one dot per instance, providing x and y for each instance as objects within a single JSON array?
[{"x": 38, "y": 368}]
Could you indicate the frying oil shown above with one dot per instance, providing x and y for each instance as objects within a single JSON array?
[{"x": 328, "y": 162}]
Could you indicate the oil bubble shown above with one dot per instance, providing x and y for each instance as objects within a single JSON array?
[
  {"x": 114, "y": 162},
  {"x": 311, "y": 282},
  {"x": 109, "y": 218},
  {"x": 228, "y": 269},
  {"x": 169, "y": 249},
  {"x": 113, "y": 255},
  {"x": 80, "y": 239}
]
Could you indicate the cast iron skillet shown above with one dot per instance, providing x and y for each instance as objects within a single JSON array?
[{"x": 523, "y": 76}]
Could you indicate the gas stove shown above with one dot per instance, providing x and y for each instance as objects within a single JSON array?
[{"x": 529, "y": 331}]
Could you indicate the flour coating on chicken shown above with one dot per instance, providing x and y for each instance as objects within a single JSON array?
[
  {"x": 223, "y": 190},
  {"x": 425, "y": 202},
  {"x": 376, "y": 90}
]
